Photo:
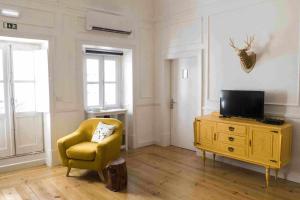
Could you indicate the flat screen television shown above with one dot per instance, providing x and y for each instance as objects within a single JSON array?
[{"x": 238, "y": 103}]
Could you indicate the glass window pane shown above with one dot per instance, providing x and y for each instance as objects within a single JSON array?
[
  {"x": 109, "y": 70},
  {"x": 24, "y": 97},
  {"x": 92, "y": 94},
  {"x": 110, "y": 94},
  {"x": 23, "y": 65},
  {"x": 2, "y": 105},
  {"x": 1, "y": 64},
  {"x": 92, "y": 70}
]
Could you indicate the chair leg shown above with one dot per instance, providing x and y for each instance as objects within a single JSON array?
[
  {"x": 104, "y": 172},
  {"x": 101, "y": 176},
  {"x": 68, "y": 171}
]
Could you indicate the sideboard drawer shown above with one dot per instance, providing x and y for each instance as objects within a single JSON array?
[
  {"x": 231, "y": 128},
  {"x": 232, "y": 139},
  {"x": 233, "y": 150}
]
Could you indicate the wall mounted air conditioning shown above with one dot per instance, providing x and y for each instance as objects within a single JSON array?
[{"x": 108, "y": 23}]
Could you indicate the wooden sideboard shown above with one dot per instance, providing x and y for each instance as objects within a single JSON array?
[{"x": 245, "y": 140}]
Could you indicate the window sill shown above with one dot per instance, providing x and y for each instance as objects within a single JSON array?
[{"x": 106, "y": 111}]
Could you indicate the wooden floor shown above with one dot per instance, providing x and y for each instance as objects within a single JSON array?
[{"x": 154, "y": 173}]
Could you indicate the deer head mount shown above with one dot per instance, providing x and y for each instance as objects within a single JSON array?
[{"x": 247, "y": 58}]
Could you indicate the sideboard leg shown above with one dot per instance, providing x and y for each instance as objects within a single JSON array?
[
  {"x": 214, "y": 157},
  {"x": 276, "y": 174},
  {"x": 267, "y": 176}
]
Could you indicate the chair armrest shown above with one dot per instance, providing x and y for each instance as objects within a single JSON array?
[
  {"x": 72, "y": 139},
  {"x": 65, "y": 142},
  {"x": 109, "y": 148}
]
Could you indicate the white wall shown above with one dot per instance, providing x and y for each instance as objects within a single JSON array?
[
  {"x": 203, "y": 27},
  {"x": 62, "y": 22}
]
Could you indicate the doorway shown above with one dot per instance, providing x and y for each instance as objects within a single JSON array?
[
  {"x": 185, "y": 100},
  {"x": 24, "y": 96}
]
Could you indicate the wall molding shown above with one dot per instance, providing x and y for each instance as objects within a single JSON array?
[{"x": 206, "y": 35}]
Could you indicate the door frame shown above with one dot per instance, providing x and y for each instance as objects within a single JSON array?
[
  {"x": 8, "y": 116},
  {"x": 47, "y": 155},
  {"x": 170, "y": 57}
]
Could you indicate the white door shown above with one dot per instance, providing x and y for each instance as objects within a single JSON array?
[
  {"x": 23, "y": 80},
  {"x": 185, "y": 100},
  {"x": 28, "y": 122}
]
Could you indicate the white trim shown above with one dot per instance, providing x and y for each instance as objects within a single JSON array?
[{"x": 143, "y": 144}]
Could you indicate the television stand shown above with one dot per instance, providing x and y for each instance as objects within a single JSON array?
[{"x": 246, "y": 140}]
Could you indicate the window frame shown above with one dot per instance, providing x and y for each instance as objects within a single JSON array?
[{"x": 101, "y": 59}]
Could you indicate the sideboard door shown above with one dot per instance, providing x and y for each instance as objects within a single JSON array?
[
  {"x": 262, "y": 143},
  {"x": 206, "y": 136}
]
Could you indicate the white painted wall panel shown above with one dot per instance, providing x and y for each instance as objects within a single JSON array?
[
  {"x": 63, "y": 23},
  {"x": 276, "y": 28},
  {"x": 144, "y": 125},
  {"x": 146, "y": 68},
  {"x": 277, "y": 68}
]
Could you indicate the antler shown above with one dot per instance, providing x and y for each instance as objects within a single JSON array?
[
  {"x": 249, "y": 42},
  {"x": 231, "y": 43}
]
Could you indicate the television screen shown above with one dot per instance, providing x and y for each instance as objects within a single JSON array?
[{"x": 248, "y": 104}]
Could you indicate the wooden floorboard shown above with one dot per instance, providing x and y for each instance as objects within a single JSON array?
[{"x": 153, "y": 173}]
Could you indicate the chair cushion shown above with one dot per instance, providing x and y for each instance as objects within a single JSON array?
[{"x": 82, "y": 151}]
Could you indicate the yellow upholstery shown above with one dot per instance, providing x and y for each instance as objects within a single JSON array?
[
  {"x": 82, "y": 151},
  {"x": 76, "y": 150}
]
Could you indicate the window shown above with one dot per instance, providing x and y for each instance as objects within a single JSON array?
[
  {"x": 102, "y": 81},
  {"x": 24, "y": 95},
  {"x": 24, "y": 80}
]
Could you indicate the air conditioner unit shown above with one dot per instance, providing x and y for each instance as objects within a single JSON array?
[{"x": 108, "y": 23}]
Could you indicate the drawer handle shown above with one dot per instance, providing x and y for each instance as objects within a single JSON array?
[
  {"x": 231, "y": 128},
  {"x": 274, "y": 131},
  {"x": 231, "y": 149},
  {"x": 274, "y": 161},
  {"x": 231, "y": 139}
]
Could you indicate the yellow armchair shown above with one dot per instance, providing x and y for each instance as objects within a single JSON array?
[{"x": 77, "y": 151}]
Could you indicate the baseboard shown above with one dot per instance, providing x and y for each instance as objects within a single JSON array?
[
  {"x": 52, "y": 157},
  {"x": 284, "y": 173},
  {"x": 143, "y": 144},
  {"x": 164, "y": 140},
  {"x": 22, "y": 165}
]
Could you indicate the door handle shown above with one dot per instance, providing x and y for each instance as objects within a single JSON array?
[
  {"x": 231, "y": 149},
  {"x": 250, "y": 143},
  {"x": 172, "y": 102},
  {"x": 231, "y": 128}
]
